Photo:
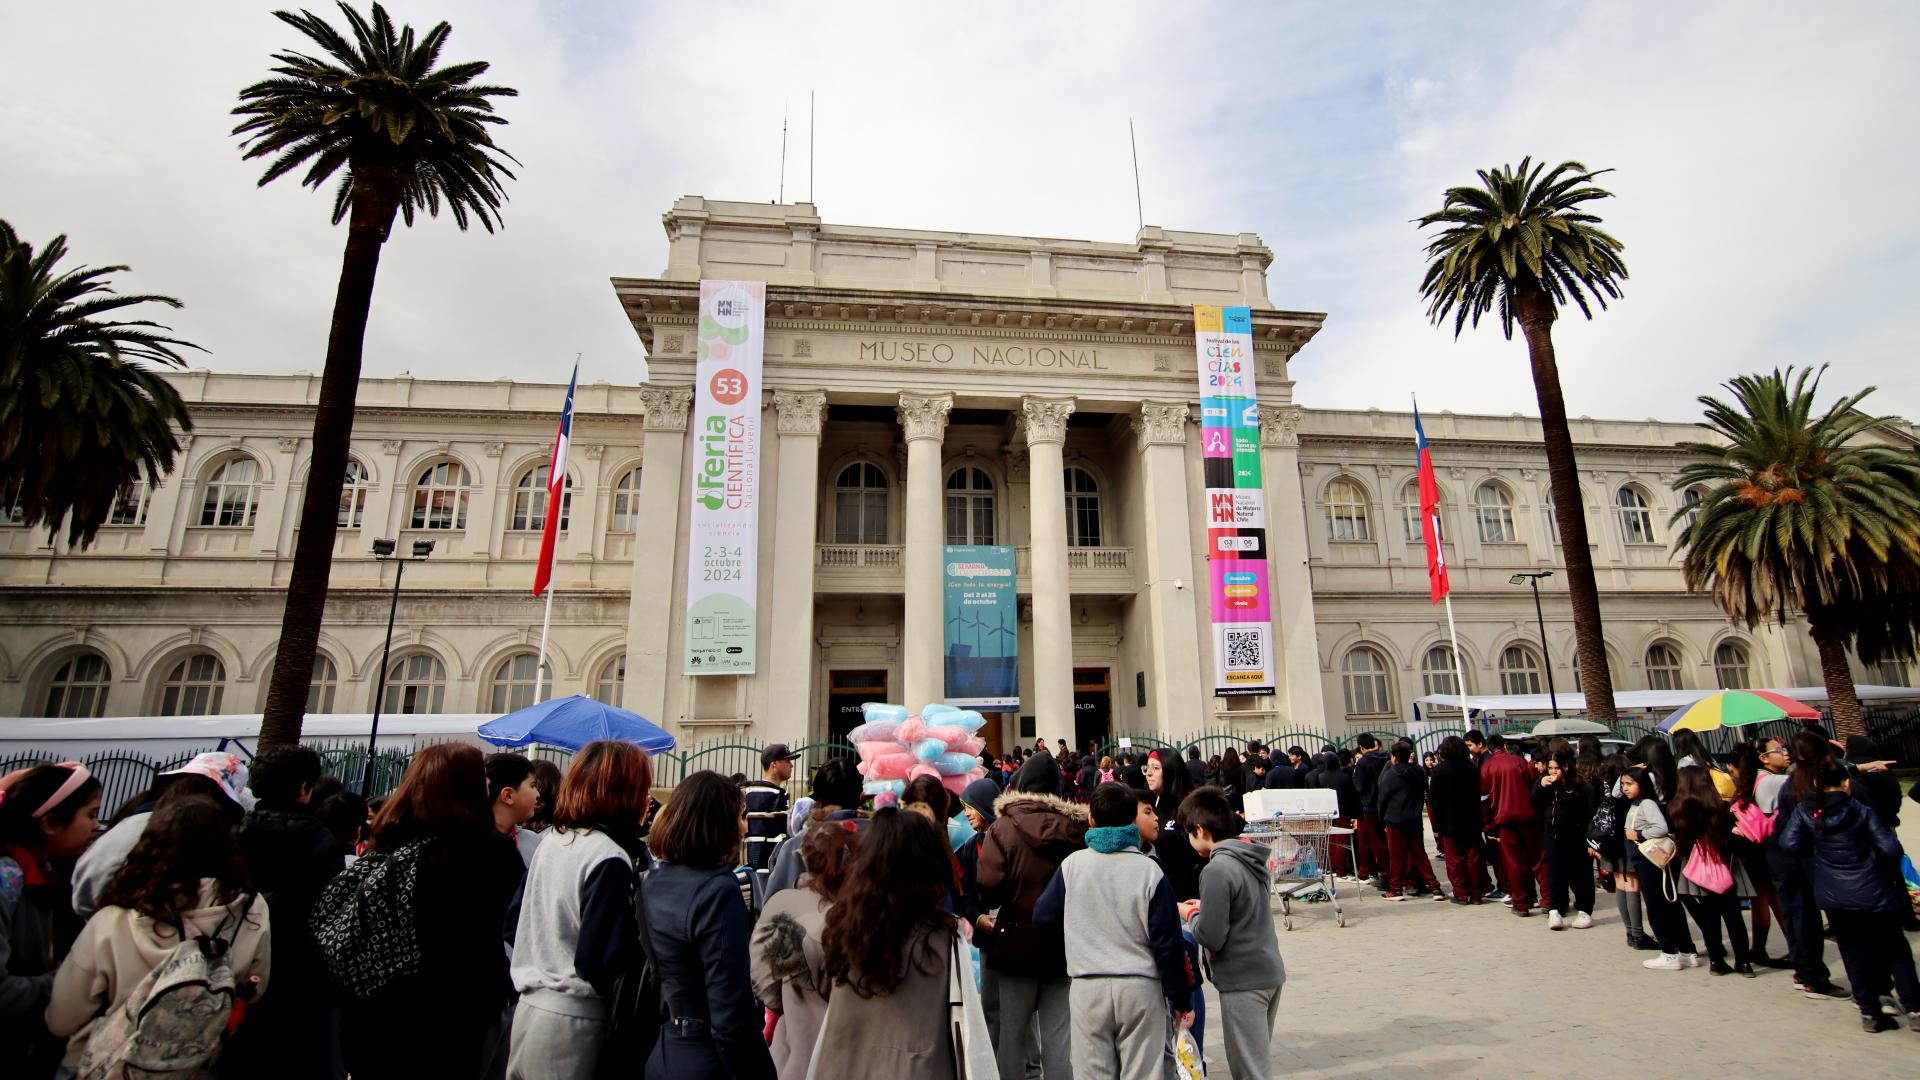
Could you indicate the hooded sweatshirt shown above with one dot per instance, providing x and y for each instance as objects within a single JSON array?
[
  {"x": 1123, "y": 914},
  {"x": 1032, "y": 834},
  {"x": 119, "y": 947},
  {"x": 1235, "y": 923},
  {"x": 1401, "y": 793}
]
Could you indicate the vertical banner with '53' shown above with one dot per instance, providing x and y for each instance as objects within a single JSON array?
[{"x": 723, "y": 531}]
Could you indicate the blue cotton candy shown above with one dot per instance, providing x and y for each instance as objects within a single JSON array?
[
  {"x": 879, "y": 710},
  {"x": 876, "y": 787},
  {"x": 959, "y": 831},
  {"x": 955, "y": 764},
  {"x": 929, "y": 749}
]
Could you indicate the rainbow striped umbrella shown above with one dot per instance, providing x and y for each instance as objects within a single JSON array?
[{"x": 1736, "y": 708}]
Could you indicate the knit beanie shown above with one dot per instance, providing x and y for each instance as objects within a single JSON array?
[
  {"x": 980, "y": 795},
  {"x": 1039, "y": 776}
]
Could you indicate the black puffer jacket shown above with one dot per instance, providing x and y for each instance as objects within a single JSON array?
[
  {"x": 291, "y": 856},
  {"x": 1566, "y": 807},
  {"x": 1856, "y": 858},
  {"x": 1455, "y": 796}
]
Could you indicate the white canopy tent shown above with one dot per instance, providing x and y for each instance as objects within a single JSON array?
[{"x": 1650, "y": 701}]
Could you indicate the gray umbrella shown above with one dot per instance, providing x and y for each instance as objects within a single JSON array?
[{"x": 1566, "y": 725}]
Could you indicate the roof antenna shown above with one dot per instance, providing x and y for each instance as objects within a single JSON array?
[
  {"x": 810, "y": 95},
  {"x": 1138, "y": 208},
  {"x": 783, "y": 152}
]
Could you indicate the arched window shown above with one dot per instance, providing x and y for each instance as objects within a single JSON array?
[
  {"x": 1520, "y": 671},
  {"x": 610, "y": 686},
  {"x": 232, "y": 497},
  {"x": 1730, "y": 662},
  {"x": 1493, "y": 509},
  {"x": 1663, "y": 667},
  {"x": 1410, "y": 513},
  {"x": 969, "y": 507},
  {"x": 79, "y": 687},
  {"x": 1439, "y": 676},
  {"x": 1347, "y": 511},
  {"x": 353, "y": 497},
  {"x": 860, "y": 505},
  {"x": 1886, "y": 673},
  {"x": 626, "y": 503},
  {"x": 416, "y": 684},
  {"x": 1636, "y": 519},
  {"x": 194, "y": 686},
  {"x": 1083, "y": 509},
  {"x": 440, "y": 497},
  {"x": 1363, "y": 673},
  {"x": 530, "y": 500},
  {"x": 130, "y": 505},
  {"x": 326, "y": 682},
  {"x": 1690, "y": 499},
  {"x": 513, "y": 682}
]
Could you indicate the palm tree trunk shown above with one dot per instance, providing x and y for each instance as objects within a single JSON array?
[
  {"x": 375, "y": 198},
  {"x": 1535, "y": 311},
  {"x": 1838, "y": 676}
]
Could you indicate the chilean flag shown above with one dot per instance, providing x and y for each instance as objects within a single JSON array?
[
  {"x": 556, "y": 490},
  {"x": 1430, "y": 512}
]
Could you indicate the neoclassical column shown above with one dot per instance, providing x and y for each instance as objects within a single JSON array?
[
  {"x": 651, "y": 615},
  {"x": 789, "y": 673},
  {"x": 1289, "y": 584},
  {"x": 923, "y": 419},
  {"x": 1045, "y": 422},
  {"x": 1172, "y": 575}
]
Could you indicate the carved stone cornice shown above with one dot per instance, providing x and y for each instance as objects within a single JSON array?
[
  {"x": 1280, "y": 425},
  {"x": 666, "y": 406},
  {"x": 924, "y": 416},
  {"x": 800, "y": 411},
  {"x": 1045, "y": 419},
  {"x": 1161, "y": 423}
]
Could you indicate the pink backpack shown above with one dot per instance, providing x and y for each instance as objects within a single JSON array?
[
  {"x": 1106, "y": 776},
  {"x": 1751, "y": 823}
]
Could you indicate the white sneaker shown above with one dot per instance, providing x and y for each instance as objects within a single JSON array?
[
  {"x": 1665, "y": 962},
  {"x": 1554, "y": 922},
  {"x": 1582, "y": 920},
  {"x": 1691, "y": 959}
]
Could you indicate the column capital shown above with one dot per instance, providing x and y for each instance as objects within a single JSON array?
[
  {"x": 1161, "y": 423},
  {"x": 1045, "y": 419},
  {"x": 924, "y": 416},
  {"x": 666, "y": 406},
  {"x": 800, "y": 410},
  {"x": 1280, "y": 425}
]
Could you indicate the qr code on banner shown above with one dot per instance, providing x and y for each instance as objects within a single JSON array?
[{"x": 1243, "y": 650}]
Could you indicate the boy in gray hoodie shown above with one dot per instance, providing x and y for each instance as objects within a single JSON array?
[{"x": 1233, "y": 922}]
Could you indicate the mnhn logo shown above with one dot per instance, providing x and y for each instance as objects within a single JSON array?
[{"x": 1222, "y": 507}]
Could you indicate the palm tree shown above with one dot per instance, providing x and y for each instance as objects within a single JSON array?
[
  {"x": 411, "y": 135},
  {"x": 1521, "y": 241},
  {"x": 81, "y": 414},
  {"x": 1798, "y": 513}
]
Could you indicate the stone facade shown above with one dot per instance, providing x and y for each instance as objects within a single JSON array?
[{"x": 923, "y": 388}]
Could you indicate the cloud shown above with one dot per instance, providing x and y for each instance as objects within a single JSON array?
[{"x": 1759, "y": 150}]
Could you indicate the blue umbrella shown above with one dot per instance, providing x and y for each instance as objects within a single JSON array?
[{"x": 572, "y": 722}]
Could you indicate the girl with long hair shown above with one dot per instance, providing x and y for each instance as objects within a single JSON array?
[
  {"x": 434, "y": 1021},
  {"x": 697, "y": 931},
  {"x": 887, "y": 944},
  {"x": 1690, "y": 749},
  {"x": 577, "y": 933},
  {"x": 1453, "y": 795},
  {"x": 1646, "y": 822},
  {"x": 1233, "y": 779},
  {"x": 1808, "y": 754},
  {"x": 48, "y": 815},
  {"x": 1589, "y": 760},
  {"x": 1566, "y": 804},
  {"x": 1169, "y": 783},
  {"x": 185, "y": 875},
  {"x": 1711, "y": 880},
  {"x": 1615, "y": 855},
  {"x": 1746, "y": 772}
]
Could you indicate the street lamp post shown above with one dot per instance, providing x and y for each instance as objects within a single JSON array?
[
  {"x": 1546, "y": 653},
  {"x": 382, "y": 550}
]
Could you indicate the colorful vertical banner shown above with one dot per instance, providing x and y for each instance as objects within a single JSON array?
[
  {"x": 1235, "y": 502},
  {"x": 723, "y": 532},
  {"x": 983, "y": 627}
]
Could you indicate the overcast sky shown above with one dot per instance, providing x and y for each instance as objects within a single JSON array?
[{"x": 1765, "y": 155}]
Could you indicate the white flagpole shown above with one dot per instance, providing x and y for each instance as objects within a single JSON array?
[
  {"x": 540, "y": 668},
  {"x": 1453, "y": 634}
]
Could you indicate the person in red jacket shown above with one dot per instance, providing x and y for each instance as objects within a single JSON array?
[{"x": 1507, "y": 781}]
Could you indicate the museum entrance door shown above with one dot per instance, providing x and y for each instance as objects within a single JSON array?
[{"x": 1092, "y": 707}]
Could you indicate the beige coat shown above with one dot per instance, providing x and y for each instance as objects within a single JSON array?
[
  {"x": 892, "y": 1036},
  {"x": 786, "y": 958},
  {"x": 119, "y": 947}
]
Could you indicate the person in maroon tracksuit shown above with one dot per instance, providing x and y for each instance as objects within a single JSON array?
[
  {"x": 1453, "y": 793},
  {"x": 1507, "y": 780},
  {"x": 1370, "y": 835}
]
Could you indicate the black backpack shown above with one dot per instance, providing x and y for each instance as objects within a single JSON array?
[{"x": 637, "y": 1011}]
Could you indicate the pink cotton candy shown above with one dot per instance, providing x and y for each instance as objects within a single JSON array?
[
  {"x": 896, "y": 765},
  {"x": 950, "y": 734},
  {"x": 912, "y": 730}
]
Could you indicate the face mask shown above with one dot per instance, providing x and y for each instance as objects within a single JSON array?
[{"x": 959, "y": 831}]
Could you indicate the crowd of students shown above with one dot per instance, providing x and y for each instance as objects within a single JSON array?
[{"x": 494, "y": 917}]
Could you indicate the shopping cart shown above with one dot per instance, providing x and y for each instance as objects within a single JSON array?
[{"x": 1299, "y": 860}]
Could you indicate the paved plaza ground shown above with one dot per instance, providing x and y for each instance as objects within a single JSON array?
[{"x": 1419, "y": 989}]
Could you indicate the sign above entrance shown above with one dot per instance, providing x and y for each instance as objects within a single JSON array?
[
  {"x": 1235, "y": 507},
  {"x": 723, "y": 541}
]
